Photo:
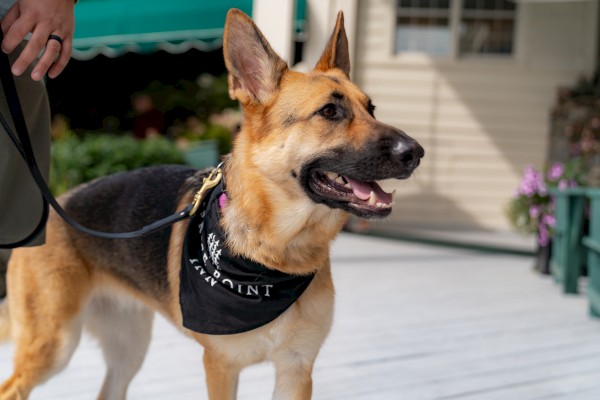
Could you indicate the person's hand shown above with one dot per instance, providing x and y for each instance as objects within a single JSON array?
[{"x": 42, "y": 18}]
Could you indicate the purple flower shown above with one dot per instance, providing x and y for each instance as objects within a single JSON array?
[
  {"x": 563, "y": 184},
  {"x": 567, "y": 184},
  {"x": 534, "y": 211},
  {"x": 532, "y": 183},
  {"x": 543, "y": 235},
  {"x": 556, "y": 171},
  {"x": 549, "y": 220}
]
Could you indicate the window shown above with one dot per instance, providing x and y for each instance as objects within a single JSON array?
[
  {"x": 455, "y": 27},
  {"x": 423, "y": 26},
  {"x": 487, "y": 27}
]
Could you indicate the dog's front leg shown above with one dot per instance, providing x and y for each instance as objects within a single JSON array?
[
  {"x": 293, "y": 379},
  {"x": 221, "y": 376}
]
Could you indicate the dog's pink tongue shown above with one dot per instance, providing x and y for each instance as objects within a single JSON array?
[{"x": 363, "y": 190}]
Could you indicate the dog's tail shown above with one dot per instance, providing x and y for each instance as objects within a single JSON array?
[{"x": 4, "y": 321}]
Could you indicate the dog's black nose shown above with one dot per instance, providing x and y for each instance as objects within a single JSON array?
[{"x": 409, "y": 153}]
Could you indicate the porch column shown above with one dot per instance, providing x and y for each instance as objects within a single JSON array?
[
  {"x": 275, "y": 18},
  {"x": 321, "y": 16}
]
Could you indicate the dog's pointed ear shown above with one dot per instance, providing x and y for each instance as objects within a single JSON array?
[
  {"x": 336, "y": 54},
  {"x": 254, "y": 68}
]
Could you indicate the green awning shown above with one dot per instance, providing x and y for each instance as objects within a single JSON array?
[{"x": 115, "y": 27}]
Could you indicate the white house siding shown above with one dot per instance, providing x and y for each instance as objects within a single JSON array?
[{"x": 480, "y": 120}]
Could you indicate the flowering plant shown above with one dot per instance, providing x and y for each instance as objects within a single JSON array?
[
  {"x": 584, "y": 137},
  {"x": 576, "y": 116},
  {"x": 532, "y": 208}
]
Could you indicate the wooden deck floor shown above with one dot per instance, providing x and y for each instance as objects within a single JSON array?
[{"x": 412, "y": 322}]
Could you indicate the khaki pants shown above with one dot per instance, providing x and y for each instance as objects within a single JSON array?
[{"x": 20, "y": 199}]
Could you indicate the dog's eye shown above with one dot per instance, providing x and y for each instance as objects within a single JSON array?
[{"x": 329, "y": 111}]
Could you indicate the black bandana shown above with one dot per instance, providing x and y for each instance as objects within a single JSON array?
[{"x": 222, "y": 294}]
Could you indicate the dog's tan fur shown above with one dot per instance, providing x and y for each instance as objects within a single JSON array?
[{"x": 55, "y": 289}]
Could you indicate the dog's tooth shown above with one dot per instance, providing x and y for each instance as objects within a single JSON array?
[
  {"x": 331, "y": 175},
  {"x": 372, "y": 199},
  {"x": 340, "y": 179}
]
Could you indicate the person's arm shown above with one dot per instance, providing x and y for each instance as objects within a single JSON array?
[{"x": 42, "y": 19}]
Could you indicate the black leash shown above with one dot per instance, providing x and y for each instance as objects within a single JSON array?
[{"x": 23, "y": 146}]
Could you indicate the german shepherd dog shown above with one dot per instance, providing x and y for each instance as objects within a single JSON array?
[{"x": 309, "y": 153}]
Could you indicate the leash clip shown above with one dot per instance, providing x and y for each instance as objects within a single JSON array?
[{"x": 209, "y": 182}]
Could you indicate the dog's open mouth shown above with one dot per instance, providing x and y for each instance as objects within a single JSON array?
[{"x": 366, "y": 199}]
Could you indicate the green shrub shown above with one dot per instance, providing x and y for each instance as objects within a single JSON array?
[
  {"x": 203, "y": 97},
  {"x": 77, "y": 160},
  {"x": 221, "y": 134}
]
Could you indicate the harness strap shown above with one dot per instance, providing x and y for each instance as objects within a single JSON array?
[{"x": 23, "y": 146}]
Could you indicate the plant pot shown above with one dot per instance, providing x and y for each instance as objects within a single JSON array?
[{"x": 542, "y": 259}]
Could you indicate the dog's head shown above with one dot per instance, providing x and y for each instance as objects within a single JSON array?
[{"x": 313, "y": 134}]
